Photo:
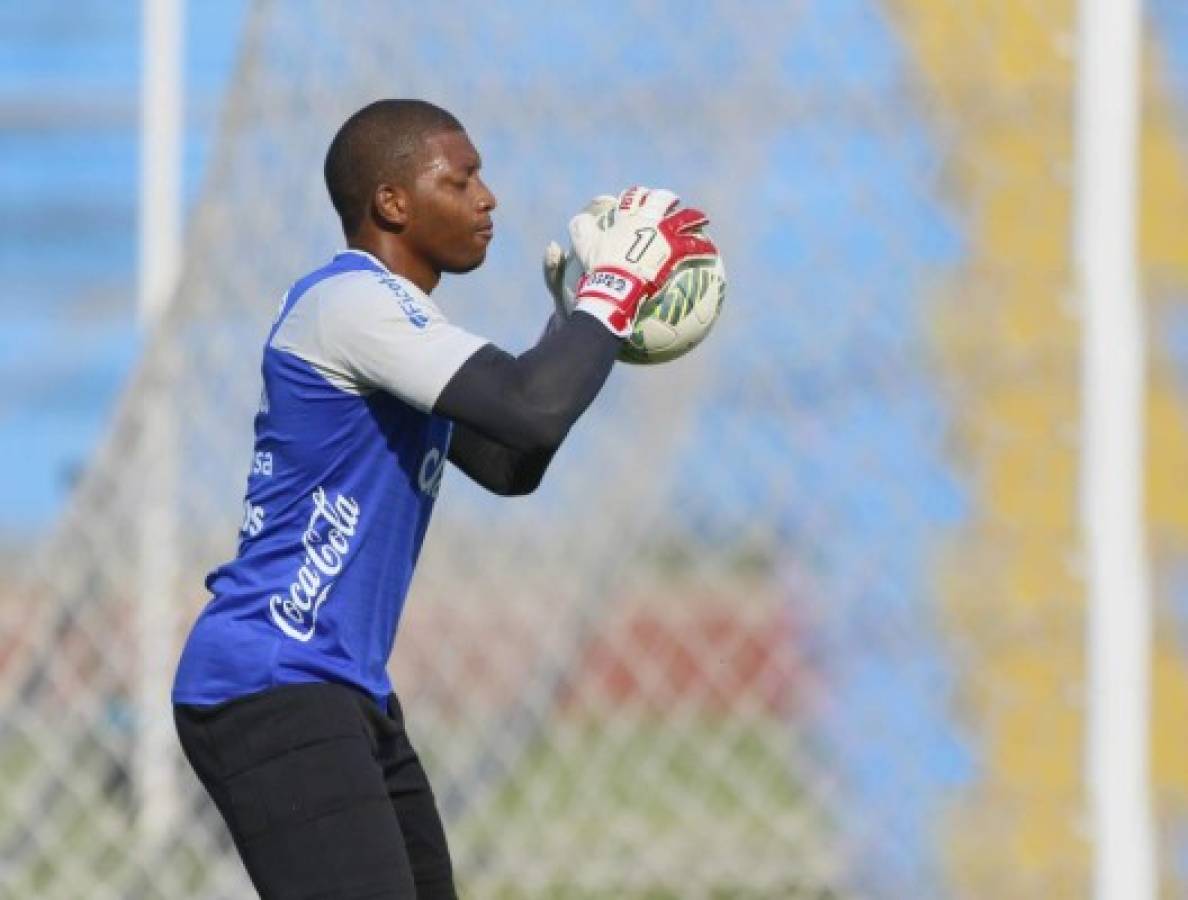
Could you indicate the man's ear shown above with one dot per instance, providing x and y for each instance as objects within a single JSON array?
[{"x": 391, "y": 206}]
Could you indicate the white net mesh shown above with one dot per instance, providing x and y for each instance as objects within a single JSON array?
[{"x": 791, "y": 617}]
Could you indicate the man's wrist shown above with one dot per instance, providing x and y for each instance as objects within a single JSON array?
[
  {"x": 607, "y": 314},
  {"x": 612, "y": 296}
]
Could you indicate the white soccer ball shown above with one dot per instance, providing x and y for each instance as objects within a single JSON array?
[{"x": 676, "y": 319}]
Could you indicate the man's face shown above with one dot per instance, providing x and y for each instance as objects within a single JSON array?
[{"x": 449, "y": 207}]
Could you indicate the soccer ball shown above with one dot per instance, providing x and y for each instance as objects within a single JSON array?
[{"x": 676, "y": 318}]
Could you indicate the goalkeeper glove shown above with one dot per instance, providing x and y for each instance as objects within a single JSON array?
[
  {"x": 628, "y": 250},
  {"x": 556, "y": 259}
]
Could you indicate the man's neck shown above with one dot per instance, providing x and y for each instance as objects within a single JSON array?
[{"x": 396, "y": 258}]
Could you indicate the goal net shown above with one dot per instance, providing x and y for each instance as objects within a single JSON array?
[{"x": 798, "y": 615}]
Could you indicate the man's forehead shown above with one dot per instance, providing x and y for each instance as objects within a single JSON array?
[{"x": 450, "y": 150}]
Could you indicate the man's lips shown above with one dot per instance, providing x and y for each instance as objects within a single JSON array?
[{"x": 487, "y": 231}]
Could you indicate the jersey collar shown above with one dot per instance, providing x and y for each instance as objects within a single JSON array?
[
  {"x": 354, "y": 251},
  {"x": 375, "y": 260}
]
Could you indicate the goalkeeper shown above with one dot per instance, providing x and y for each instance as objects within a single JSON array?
[{"x": 282, "y": 700}]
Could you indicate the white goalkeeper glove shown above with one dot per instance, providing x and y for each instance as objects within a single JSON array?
[
  {"x": 556, "y": 259},
  {"x": 628, "y": 250}
]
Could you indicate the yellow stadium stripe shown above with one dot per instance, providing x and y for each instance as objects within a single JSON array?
[
  {"x": 1164, "y": 245},
  {"x": 994, "y": 72}
]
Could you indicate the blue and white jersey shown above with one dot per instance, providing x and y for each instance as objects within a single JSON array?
[{"x": 347, "y": 462}]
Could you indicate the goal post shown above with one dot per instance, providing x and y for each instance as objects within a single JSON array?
[
  {"x": 1113, "y": 449},
  {"x": 153, "y": 766}
]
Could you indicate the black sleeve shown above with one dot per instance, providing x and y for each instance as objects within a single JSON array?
[
  {"x": 498, "y": 468},
  {"x": 512, "y": 413}
]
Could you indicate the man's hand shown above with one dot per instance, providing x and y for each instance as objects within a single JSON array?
[
  {"x": 554, "y": 263},
  {"x": 556, "y": 258},
  {"x": 627, "y": 247}
]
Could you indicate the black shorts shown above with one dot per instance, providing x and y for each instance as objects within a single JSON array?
[{"x": 323, "y": 794}]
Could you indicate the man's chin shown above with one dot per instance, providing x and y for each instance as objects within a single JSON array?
[{"x": 461, "y": 268}]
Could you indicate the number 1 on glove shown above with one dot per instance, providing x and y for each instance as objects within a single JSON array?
[{"x": 645, "y": 268}]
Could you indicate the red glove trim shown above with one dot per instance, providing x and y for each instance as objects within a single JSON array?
[
  {"x": 685, "y": 240},
  {"x": 617, "y": 289}
]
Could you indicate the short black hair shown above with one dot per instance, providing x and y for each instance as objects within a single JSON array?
[{"x": 378, "y": 143}]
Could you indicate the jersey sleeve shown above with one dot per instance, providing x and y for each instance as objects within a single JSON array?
[{"x": 382, "y": 336}]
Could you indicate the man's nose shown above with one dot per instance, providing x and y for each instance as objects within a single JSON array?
[{"x": 487, "y": 199}]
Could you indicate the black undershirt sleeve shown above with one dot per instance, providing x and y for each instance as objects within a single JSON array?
[
  {"x": 499, "y": 469},
  {"x": 511, "y": 413}
]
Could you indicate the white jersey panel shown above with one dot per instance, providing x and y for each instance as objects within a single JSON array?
[{"x": 371, "y": 330}]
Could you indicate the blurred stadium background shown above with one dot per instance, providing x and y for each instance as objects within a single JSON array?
[{"x": 822, "y": 633}]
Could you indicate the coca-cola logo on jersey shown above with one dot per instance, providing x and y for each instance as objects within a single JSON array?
[{"x": 326, "y": 542}]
